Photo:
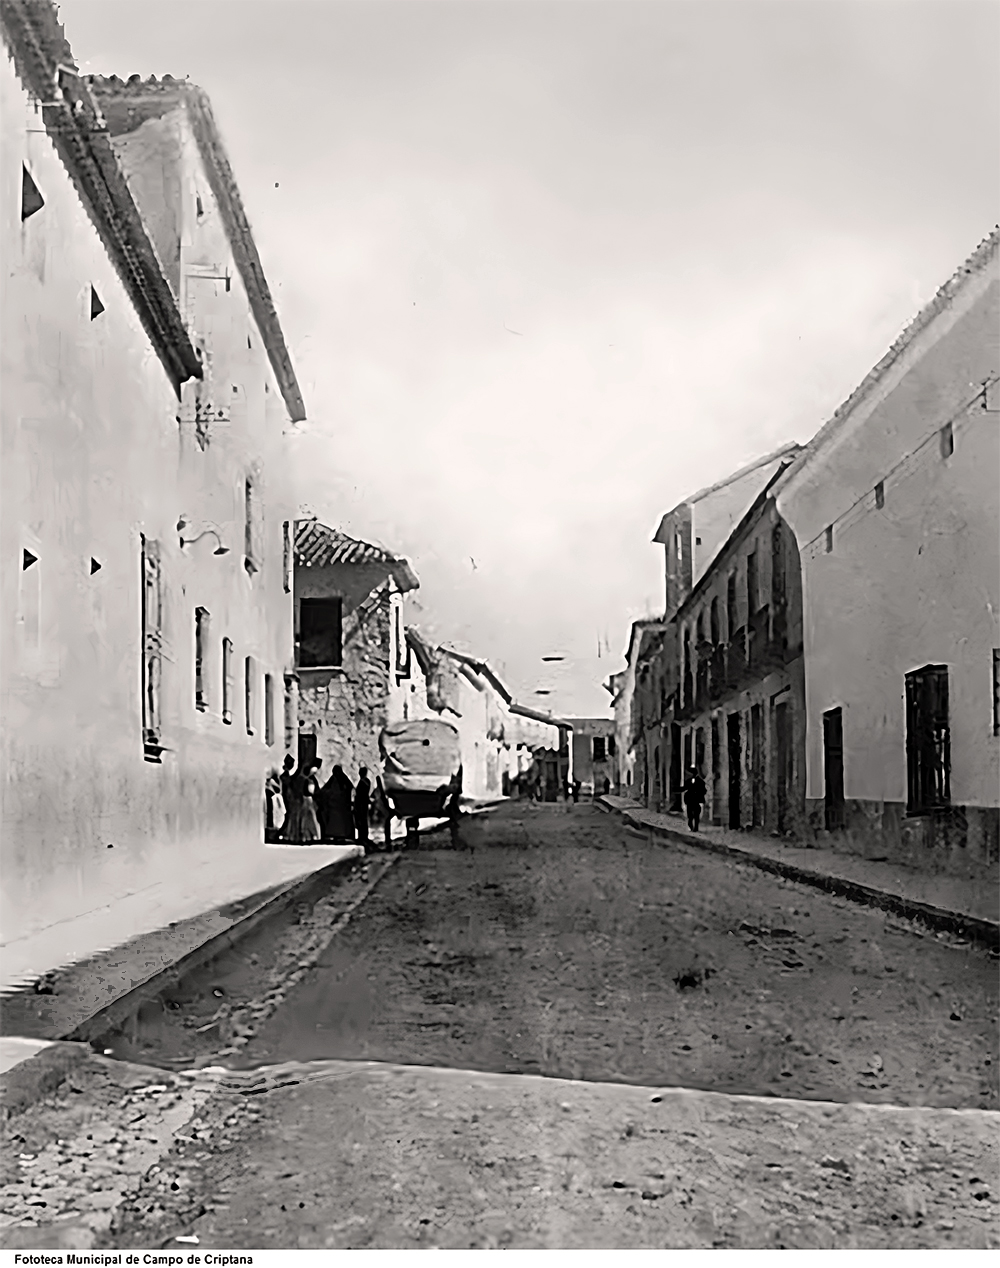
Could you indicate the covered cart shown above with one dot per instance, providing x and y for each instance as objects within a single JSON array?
[{"x": 422, "y": 772}]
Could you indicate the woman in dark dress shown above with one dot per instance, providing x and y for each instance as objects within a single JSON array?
[
  {"x": 303, "y": 825},
  {"x": 335, "y": 807}
]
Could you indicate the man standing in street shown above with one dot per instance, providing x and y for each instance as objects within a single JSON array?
[
  {"x": 362, "y": 800},
  {"x": 694, "y": 798}
]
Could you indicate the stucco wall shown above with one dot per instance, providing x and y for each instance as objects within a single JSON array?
[
  {"x": 912, "y": 583},
  {"x": 96, "y": 452}
]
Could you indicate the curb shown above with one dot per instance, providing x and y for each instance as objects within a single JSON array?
[
  {"x": 940, "y": 919},
  {"x": 123, "y": 1001}
]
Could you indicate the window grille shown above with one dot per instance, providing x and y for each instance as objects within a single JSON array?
[{"x": 928, "y": 740}]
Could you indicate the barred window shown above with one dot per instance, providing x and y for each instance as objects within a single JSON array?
[{"x": 928, "y": 740}]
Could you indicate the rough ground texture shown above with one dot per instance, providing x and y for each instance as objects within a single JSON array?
[{"x": 558, "y": 943}]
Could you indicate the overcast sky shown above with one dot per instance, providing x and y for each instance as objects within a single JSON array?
[{"x": 546, "y": 268}]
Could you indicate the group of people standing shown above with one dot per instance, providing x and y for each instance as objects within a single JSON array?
[{"x": 335, "y": 812}]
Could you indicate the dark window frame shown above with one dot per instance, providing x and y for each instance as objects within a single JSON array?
[
  {"x": 202, "y": 628},
  {"x": 315, "y": 629},
  {"x": 928, "y": 740},
  {"x": 227, "y": 681}
]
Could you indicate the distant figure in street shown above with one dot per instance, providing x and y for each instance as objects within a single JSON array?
[
  {"x": 383, "y": 811},
  {"x": 302, "y": 824},
  {"x": 694, "y": 798},
  {"x": 576, "y": 790},
  {"x": 362, "y": 801},
  {"x": 334, "y": 807},
  {"x": 286, "y": 781}
]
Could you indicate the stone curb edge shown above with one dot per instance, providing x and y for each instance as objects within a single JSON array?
[
  {"x": 31, "y": 1080},
  {"x": 937, "y": 918}
]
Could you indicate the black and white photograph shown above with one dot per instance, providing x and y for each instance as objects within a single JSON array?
[{"x": 499, "y": 628}]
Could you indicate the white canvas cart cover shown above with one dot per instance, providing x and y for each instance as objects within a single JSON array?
[{"x": 419, "y": 756}]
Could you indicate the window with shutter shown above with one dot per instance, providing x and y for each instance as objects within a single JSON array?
[{"x": 928, "y": 740}]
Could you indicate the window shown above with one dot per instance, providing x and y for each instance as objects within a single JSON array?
[
  {"x": 286, "y": 556},
  {"x": 928, "y": 740},
  {"x": 829, "y": 538},
  {"x": 249, "y": 693},
  {"x": 268, "y": 710},
  {"x": 752, "y": 593},
  {"x": 713, "y": 619},
  {"x": 947, "y": 441},
  {"x": 152, "y": 648},
  {"x": 320, "y": 633},
  {"x": 96, "y": 307},
  {"x": 611, "y": 746},
  {"x": 731, "y": 622},
  {"x": 777, "y": 568},
  {"x": 227, "y": 680},
  {"x": 31, "y": 197},
  {"x": 598, "y": 748},
  {"x": 880, "y": 494},
  {"x": 251, "y": 536},
  {"x": 201, "y": 627}
]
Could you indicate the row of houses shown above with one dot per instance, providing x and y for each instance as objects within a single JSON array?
[
  {"x": 827, "y": 657},
  {"x": 168, "y": 627}
]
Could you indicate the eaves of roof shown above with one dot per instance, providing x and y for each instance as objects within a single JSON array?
[
  {"x": 792, "y": 447},
  {"x": 983, "y": 255},
  {"x": 137, "y": 100},
  {"x": 536, "y": 715},
  {"x": 44, "y": 63},
  {"x": 319, "y": 546}
]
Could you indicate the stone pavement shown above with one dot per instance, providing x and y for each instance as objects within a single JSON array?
[
  {"x": 343, "y": 1155},
  {"x": 969, "y": 901}
]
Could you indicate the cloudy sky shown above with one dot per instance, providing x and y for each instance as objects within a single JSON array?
[{"x": 546, "y": 268}]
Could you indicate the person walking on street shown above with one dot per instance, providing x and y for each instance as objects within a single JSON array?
[
  {"x": 576, "y": 790},
  {"x": 694, "y": 798},
  {"x": 384, "y": 811},
  {"x": 286, "y": 781},
  {"x": 362, "y": 801}
]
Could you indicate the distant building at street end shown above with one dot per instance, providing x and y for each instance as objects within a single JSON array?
[
  {"x": 693, "y": 532},
  {"x": 146, "y": 623},
  {"x": 352, "y": 661},
  {"x": 896, "y": 509},
  {"x": 595, "y": 748},
  {"x": 497, "y": 734}
]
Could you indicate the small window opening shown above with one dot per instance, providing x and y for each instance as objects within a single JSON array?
[
  {"x": 31, "y": 197},
  {"x": 268, "y": 710},
  {"x": 249, "y": 344},
  {"x": 829, "y": 538},
  {"x": 95, "y": 565},
  {"x": 249, "y": 703},
  {"x": 198, "y": 206},
  {"x": 227, "y": 681},
  {"x": 697, "y": 541},
  {"x": 947, "y": 441},
  {"x": 96, "y": 307},
  {"x": 201, "y": 624},
  {"x": 880, "y": 494},
  {"x": 27, "y": 559}
]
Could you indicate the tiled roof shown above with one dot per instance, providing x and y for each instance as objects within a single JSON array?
[
  {"x": 319, "y": 546},
  {"x": 126, "y": 106},
  {"x": 44, "y": 63}
]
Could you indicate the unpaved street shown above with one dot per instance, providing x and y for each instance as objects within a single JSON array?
[
  {"x": 559, "y": 943},
  {"x": 386, "y": 1036}
]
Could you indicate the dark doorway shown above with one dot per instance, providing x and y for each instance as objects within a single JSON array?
[
  {"x": 757, "y": 764},
  {"x": 675, "y": 767},
  {"x": 833, "y": 767},
  {"x": 307, "y": 749},
  {"x": 716, "y": 773},
  {"x": 733, "y": 739},
  {"x": 782, "y": 752}
]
